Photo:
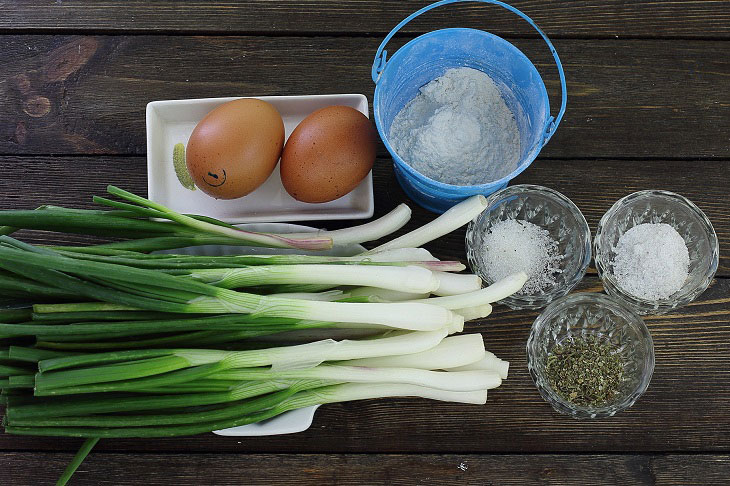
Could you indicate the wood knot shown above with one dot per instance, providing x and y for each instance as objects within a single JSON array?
[
  {"x": 22, "y": 83},
  {"x": 69, "y": 58},
  {"x": 37, "y": 106},
  {"x": 21, "y": 133}
]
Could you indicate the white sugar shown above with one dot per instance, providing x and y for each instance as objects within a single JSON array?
[
  {"x": 652, "y": 261},
  {"x": 513, "y": 245}
]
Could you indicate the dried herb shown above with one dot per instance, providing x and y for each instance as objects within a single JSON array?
[{"x": 585, "y": 371}]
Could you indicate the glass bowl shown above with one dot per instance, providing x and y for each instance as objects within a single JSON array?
[
  {"x": 589, "y": 314},
  {"x": 658, "y": 207},
  {"x": 549, "y": 210}
]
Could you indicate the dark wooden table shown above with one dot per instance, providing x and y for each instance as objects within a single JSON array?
[{"x": 649, "y": 108}]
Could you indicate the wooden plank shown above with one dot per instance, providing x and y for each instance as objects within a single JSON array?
[
  {"x": 20, "y": 469},
  {"x": 594, "y": 185},
  {"x": 69, "y": 95},
  {"x": 685, "y": 408},
  {"x": 594, "y": 18}
]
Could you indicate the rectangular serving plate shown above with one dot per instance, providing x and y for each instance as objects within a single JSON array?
[{"x": 172, "y": 121}]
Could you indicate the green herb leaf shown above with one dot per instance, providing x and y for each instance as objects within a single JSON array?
[{"x": 585, "y": 371}]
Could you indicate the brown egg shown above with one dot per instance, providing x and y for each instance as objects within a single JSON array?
[
  {"x": 235, "y": 148},
  {"x": 328, "y": 154}
]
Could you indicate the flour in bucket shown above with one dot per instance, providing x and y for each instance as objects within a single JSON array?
[{"x": 458, "y": 130}]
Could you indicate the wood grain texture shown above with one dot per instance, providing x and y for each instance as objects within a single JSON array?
[
  {"x": 87, "y": 94},
  {"x": 594, "y": 185},
  {"x": 649, "y": 92},
  {"x": 685, "y": 408},
  {"x": 595, "y": 18},
  {"x": 376, "y": 469}
]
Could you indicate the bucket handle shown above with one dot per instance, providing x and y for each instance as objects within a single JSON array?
[{"x": 552, "y": 123}]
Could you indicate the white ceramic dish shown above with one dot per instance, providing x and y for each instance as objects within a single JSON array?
[
  {"x": 295, "y": 420},
  {"x": 172, "y": 121}
]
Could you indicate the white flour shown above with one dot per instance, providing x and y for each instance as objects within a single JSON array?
[{"x": 458, "y": 130}]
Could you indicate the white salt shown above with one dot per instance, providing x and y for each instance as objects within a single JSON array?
[
  {"x": 513, "y": 245},
  {"x": 652, "y": 261},
  {"x": 458, "y": 130}
]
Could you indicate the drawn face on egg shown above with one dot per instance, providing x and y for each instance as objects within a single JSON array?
[
  {"x": 235, "y": 148},
  {"x": 215, "y": 179}
]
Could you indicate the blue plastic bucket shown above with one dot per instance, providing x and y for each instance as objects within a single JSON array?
[{"x": 427, "y": 57}]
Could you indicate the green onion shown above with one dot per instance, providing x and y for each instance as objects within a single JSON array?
[
  {"x": 489, "y": 362},
  {"x": 119, "y": 223},
  {"x": 495, "y": 292},
  {"x": 131, "y": 364},
  {"x": 258, "y": 239},
  {"x": 15, "y": 315},
  {"x": 391, "y": 222},
  {"x": 406, "y": 279},
  {"x": 33, "y": 355},
  {"x": 105, "y": 315},
  {"x": 266, "y": 407},
  {"x": 400, "y": 257},
  {"x": 131, "y": 344},
  {"x": 53, "y": 268},
  {"x": 452, "y": 381},
  {"x": 21, "y": 381},
  {"x": 69, "y": 221},
  {"x": 16, "y": 285},
  {"x": 7, "y": 370},
  {"x": 386, "y": 295},
  {"x": 455, "y": 284},
  {"x": 133, "y": 328},
  {"x": 100, "y": 404},
  {"x": 197, "y": 338},
  {"x": 77, "y": 460},
  {"x": 454, "y": 218},
  {"x": 476, "y": 312},
  {"x": 451, "y": 352}
]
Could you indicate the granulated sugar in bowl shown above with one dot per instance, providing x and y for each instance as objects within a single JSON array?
[{"x": 532, "y": 229}]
